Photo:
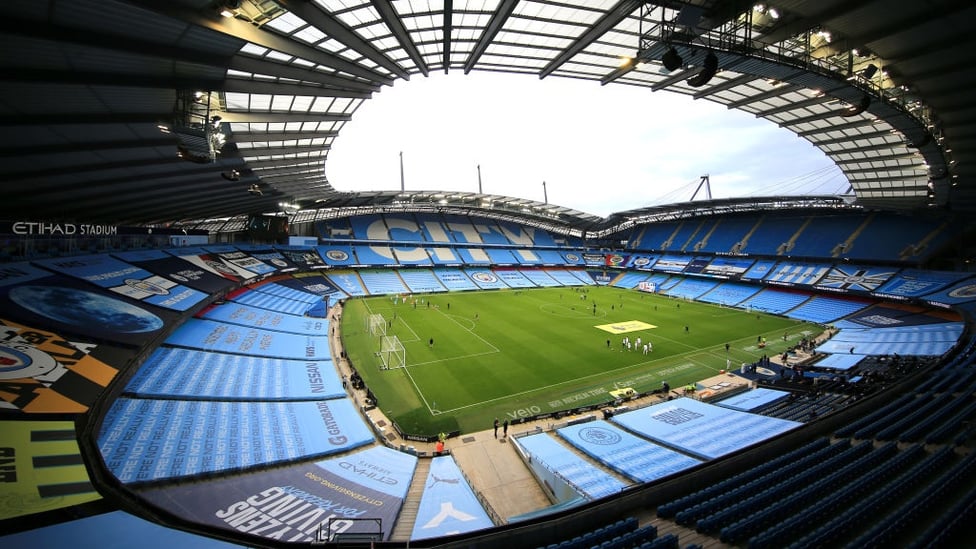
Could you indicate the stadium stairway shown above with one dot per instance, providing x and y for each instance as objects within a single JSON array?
[
  {"x": 916, "y": 249},
  {"x": 408, "y": 512},
  {"x": 788, "y": 245},
  {"x": 846, "y": 246}
]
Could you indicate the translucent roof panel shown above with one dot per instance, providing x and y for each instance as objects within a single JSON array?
[{"x": 873, "y": 87}]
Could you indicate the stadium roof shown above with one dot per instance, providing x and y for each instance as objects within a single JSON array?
[{"x": 100, "y": 96}]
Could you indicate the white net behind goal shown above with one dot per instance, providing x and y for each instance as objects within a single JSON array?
[
  {"x": 376, "y": 325},
  {"x": 392, "y": 353}
]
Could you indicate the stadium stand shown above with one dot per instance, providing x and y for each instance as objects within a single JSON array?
[
  {"x": 630, "y": 279},
  {"x": 550, "y": 257},
  {"x": 633, "y": 457},
  {"x": 565, "y": 277},
  {"x": 727, "y": 266},
  {"x": 446, "y": 482},
  {"x": 474, "y": 256},
  {"x": 727, "y": 234},
  {"x": 270, "y": 302},
  {"x": 347, "y": 281},
  {"x": 383, "y": 282},
  {"x": 287, "y": 292},
  {"x": 522, "y": 235},
  {"x": 824, "y": 309},
  {"x": 498, "y": 256},
  {"x": 889, "y": 236},
  {"x": 485, "y": 279},
  {"x": 539, "y": 277},
  {"x": 374, "y": 254},
  {"x": 827, "y": 236},
  {"x": 337, "y": 254},
  {"x": 653, "y": 236},
  {"x": 772, "y": 300},
  {"x": 759, "y": 269},
  {"x": 421, "y": 280},
  {"x": 455, "y": 279},
  {"x": 581, "y": 276},
  {"x": 932, "y": 416},
  {"x": 923, "y": 340},
  {"x": 773, "y": 234},
  {"x": 434, "y": 228},
  {"x": 583, "y": 476},
  {"x": 514, "y": 278},
  {"x": 803, "y": 274},
  {"x": 411, "y": 256},
  {"x": 444, "y": 256},
  {"x": 272, "y": 319},
  {"x": 527, "y": 257},
  {"x": 681, "y": 239},
  {"x": 691, "y": 288},
  {"x": 730, "y": 293}
]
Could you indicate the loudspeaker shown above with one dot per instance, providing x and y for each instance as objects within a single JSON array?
[
  {"x": 706, "y": 74},
  {"x": 671, "y": 59}
]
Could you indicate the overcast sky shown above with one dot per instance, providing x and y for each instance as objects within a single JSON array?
[{"x": 600, "y": 149}]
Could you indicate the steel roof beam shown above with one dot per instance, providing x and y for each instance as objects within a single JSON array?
[
  {"x": 337, "y": 30},
  {"x": 502, "y": 12},
  {"x": 851, "y": 138},
  {"x": 768, "y": 94},
  {"x": 258, "y": 117},
  {"x": 247, "y": 32},
  {"x": 295, "y": 149},
  {"x": 879, "y": 158},
  {"x": 389, "y": 16},
  {"x": 248, "y": 137},
  {"x": 837, "y": 127},
  {"x": 613, "y": 17},
  {"x": 259, "y": 165},
  {"x": 726, "y": 85},
  {"x": 810, "y": 102},
  {"x": 256, "y": 65},
  {"x": 448, "y": 30},
  {"x": 240, "y": 85}
]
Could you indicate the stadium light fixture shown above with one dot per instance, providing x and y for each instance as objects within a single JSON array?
[{"x": 866, "y": 73}]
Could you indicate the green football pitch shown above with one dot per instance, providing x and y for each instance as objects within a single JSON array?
[{"x": 517, "y": 353}]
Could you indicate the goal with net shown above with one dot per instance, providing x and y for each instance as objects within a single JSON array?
[
  {"x": 376, "y": 325},
  {"x": 392, "y": 353}
]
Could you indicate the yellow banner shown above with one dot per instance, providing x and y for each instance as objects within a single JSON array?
[
  {"x": 41, "y": 468},
  {"x": 625, "y": 327}
]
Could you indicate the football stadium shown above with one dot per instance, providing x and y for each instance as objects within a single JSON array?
[{"x": 209, "y": 343}]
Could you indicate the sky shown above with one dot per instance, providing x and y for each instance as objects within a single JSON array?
[{"x": 599, "y": 149}]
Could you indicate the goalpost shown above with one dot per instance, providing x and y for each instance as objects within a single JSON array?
[
  {"x": 376, "y": 325},
  {"x": 392, "y": 353}
]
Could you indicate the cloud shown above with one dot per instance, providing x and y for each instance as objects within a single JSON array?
[{"x": 600, "y": 149}]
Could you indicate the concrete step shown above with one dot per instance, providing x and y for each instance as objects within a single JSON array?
[{"x": 408, "y": 512}]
